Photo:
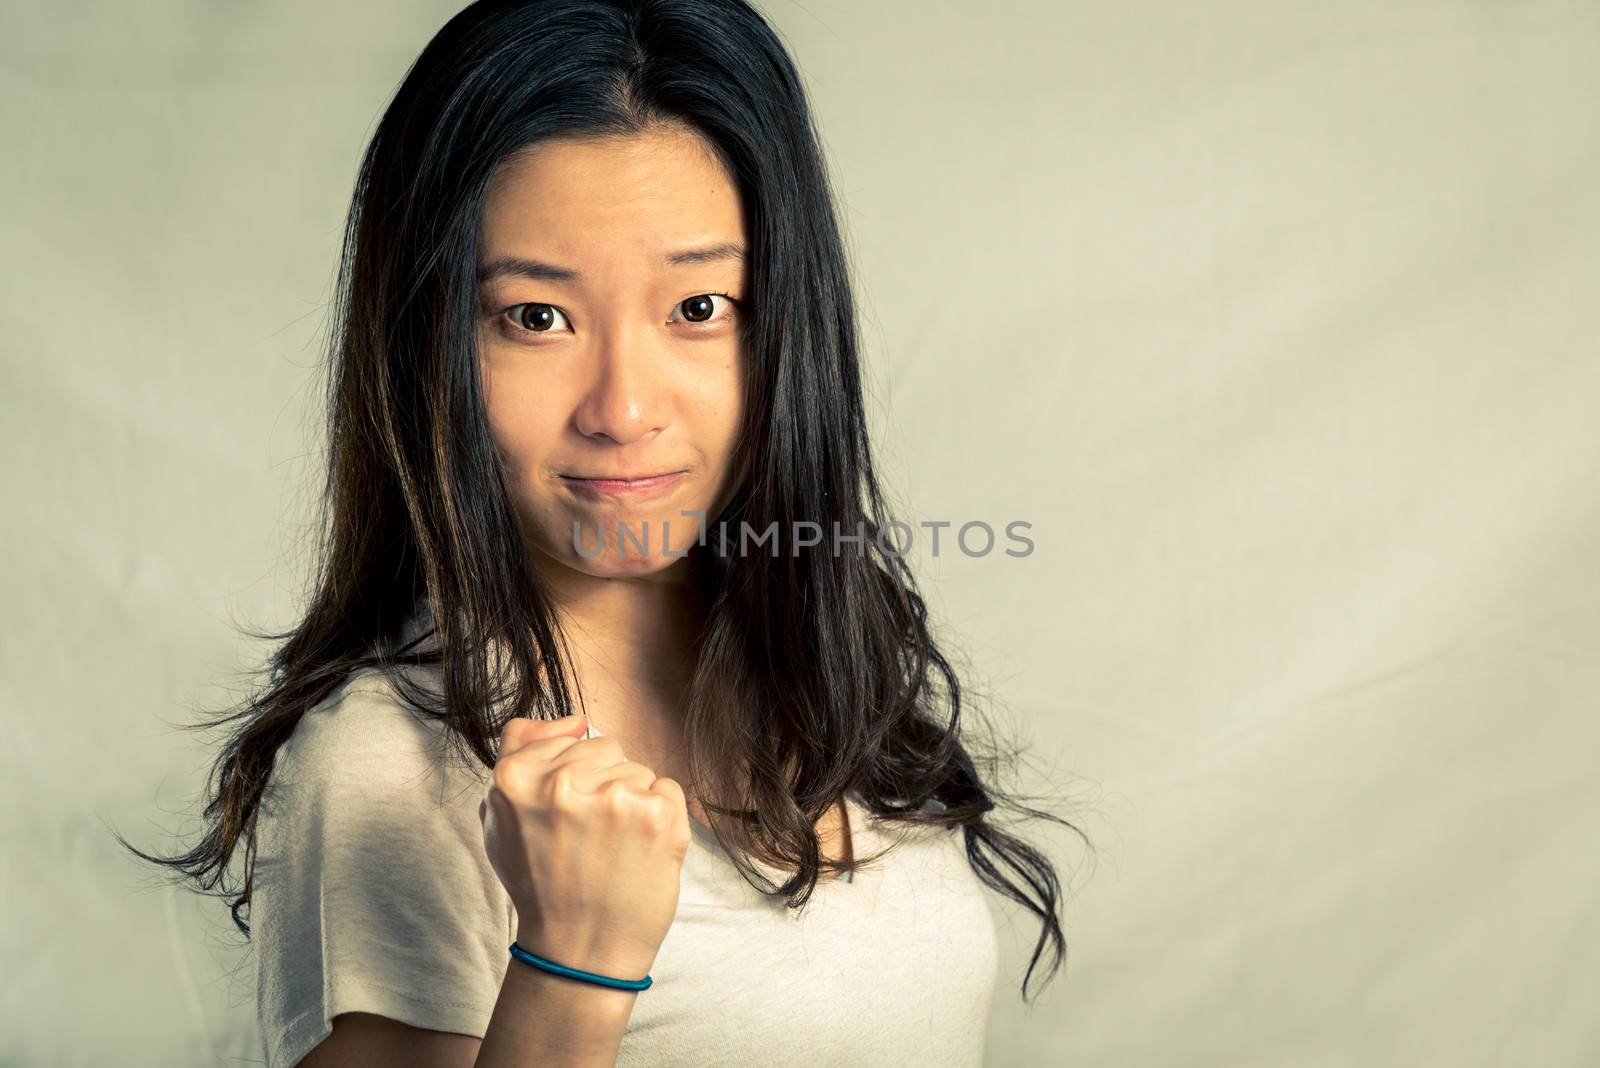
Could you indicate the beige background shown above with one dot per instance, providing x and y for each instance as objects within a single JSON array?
[{"x": 1277, "y": 321}]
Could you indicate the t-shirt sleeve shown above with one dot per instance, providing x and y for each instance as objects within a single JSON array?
[{"x": 372, "y": 891}]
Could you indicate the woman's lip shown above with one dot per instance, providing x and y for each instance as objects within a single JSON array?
[{"x": 623, "y": 487}]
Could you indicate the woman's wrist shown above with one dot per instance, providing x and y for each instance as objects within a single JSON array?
[{"x": 586, "y": 951}]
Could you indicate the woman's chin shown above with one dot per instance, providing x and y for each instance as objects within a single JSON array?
[
  {"x": 611, "y": 564},
  {"x": 629, "y": 537}
]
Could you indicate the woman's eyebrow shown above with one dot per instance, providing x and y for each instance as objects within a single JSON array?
[
  {"x": 523, "y": 267},
  {"x": 723, "y": 250}
]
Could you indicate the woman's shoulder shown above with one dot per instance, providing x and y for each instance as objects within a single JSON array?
[
  {"x": 364, "y": 732},
  {"x": 925, "y": 850},
  {"x": 372, "y": 889}
]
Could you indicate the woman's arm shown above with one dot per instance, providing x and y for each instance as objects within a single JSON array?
[
  {"x": 568, "y": 1022},
  {"x": 539, "y": 1019}
]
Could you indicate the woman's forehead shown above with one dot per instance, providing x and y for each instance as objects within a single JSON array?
[
  {"x": 645, "y": 172},
  {"x": 659, "y": 200}
]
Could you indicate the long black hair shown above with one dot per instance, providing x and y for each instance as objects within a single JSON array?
[{"x": 817, "y": 673}]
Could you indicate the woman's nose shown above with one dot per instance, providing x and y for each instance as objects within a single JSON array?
[{"x": 626, "y": 400}]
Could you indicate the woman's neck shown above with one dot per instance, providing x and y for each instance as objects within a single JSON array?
[{"x": 633, "y": 642}]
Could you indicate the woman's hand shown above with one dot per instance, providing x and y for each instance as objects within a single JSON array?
[{"x": 588, "y": 845}]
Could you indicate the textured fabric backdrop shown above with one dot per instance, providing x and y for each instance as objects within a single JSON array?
[{"x": 1276, "y": 320}]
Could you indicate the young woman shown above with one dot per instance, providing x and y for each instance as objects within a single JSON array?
[{"x": 589, "y": 750}]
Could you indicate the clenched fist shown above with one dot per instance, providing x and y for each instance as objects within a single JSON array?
[{"x": 588, "y": 845}]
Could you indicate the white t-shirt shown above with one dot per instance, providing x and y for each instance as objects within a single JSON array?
[{"x": 373, "y": 893}]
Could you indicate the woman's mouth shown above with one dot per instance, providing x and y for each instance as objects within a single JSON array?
[{"x": 632, "y": 487}]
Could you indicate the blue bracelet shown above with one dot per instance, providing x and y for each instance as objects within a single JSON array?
[{"x": 573, "y": 973}]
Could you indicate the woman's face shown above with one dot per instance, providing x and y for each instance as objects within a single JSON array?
[{"x": 606, "y": 352}]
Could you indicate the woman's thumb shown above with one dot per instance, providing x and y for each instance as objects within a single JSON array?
[
  {"x": 576, "y": 724},
  {"x": 521, "y": 731}
]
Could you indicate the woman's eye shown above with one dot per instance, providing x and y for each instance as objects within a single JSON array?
[
  {"x": 536, "y": 318},
  {"x": 701, "y": 308}
]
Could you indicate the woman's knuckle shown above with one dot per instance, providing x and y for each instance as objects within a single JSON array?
[{"x": 506, "y": 779}]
